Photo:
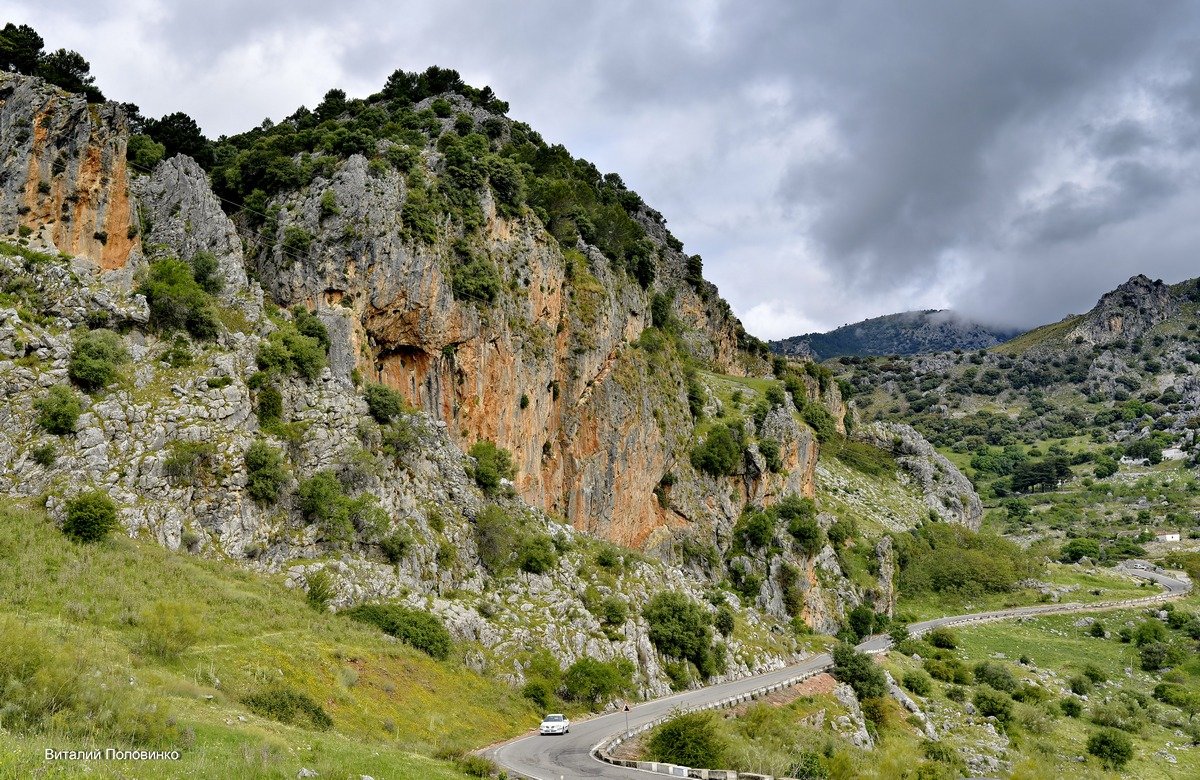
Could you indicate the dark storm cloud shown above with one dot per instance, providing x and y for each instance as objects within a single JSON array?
[{"x": 830, "y": 160}]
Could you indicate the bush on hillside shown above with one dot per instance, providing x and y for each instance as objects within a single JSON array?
[
  {"x": 177, "y": 300},
  {"x": 59, "y": 411},
  {"x": 537, "y": 554},
  {"x": 383, "y": 403},
  {"x": 422, "y": 630},
  {"x": 296, "y": 347},
  {"x": 95, "y": 359},
  {"x": 593, "y": 682},
  {"x": 719, "y": 455},
  {"x": 679, "y": 628},
  {"x": 90, "y": 516},
  {"x": 287, "y": 705},
  {"x": 1113, "y": 748},
  {"x": 994, "y": 704},
  {"x": 942, "y": 558},
  {"x": 492, "y": 464},
  {"x": 858, "y": 671},
  {"x": 497, "y": 537},
  {"x": 691, "y": 739},
  {"x": 265, "y": 472}
]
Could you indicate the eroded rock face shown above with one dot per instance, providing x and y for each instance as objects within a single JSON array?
[
  {"x": 183, "y": 218},
  {"x": 547, "y": 370},
  {"x": 947, "y": 490},
  {"x": 1126, "y": 312},
  {"x": 62, "y": 168}
]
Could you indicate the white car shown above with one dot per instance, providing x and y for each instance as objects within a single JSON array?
[{"x": 555, "y": 724}]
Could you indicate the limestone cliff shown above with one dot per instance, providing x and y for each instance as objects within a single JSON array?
[
  {"x": 63, "y": 171},
  {"x": 599, "y": 381}
]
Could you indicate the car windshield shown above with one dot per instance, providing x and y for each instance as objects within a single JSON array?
[{"x": 553, "y": 718}]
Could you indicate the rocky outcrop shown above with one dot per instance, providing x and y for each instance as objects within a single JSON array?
[
  {"x": 1125, "y": 313},
  {"x": 182, "y": 218},
  {"x": 947, "y": 491},
  {"x": 63, "y": 170}
]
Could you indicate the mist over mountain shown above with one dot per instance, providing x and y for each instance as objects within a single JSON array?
[{"x": 906, "y": 333}]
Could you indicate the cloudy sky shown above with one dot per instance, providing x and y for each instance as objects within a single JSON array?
[{"x": 830, "y": 160}]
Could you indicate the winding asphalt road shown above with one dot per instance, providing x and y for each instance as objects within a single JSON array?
[{"x": 569, "y": 757}]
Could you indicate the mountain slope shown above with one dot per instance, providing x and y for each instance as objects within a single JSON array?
[
  {"x": 402, "y": 351},
  {"x": 907, "y": 333},
  {"x": 1068, "y": 417}
]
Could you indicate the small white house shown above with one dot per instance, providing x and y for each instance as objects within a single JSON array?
[{"x": 1167, "y": 536}]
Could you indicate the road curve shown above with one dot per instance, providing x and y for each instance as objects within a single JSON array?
[{"x": 569, "y": 757}]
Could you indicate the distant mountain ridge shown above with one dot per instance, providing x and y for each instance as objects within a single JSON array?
[{"x": 906, "y": 333}]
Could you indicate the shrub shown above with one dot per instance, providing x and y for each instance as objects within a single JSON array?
[
  {"x": 1094, "y": 673},
  {"x": 861, "y": 621},
  {"x": 1158, "y": 655},
  {"x": 949, "y": 670},
  {"x": 691, "y": 739},
  {"x": 843, "y": 528},
  {"x": 297, "y": 346},
  {"x": 472, "y": 765},
  {"x": 492, "y": 464},
  {"x": 399, "y": 439},
  {"x": 724, "y": 620},
  {"x": 1113, "y": 748},
  {"x": 205, "y": 270},
  {"x": 1080, "y": 685},
  {"x": 996, "y": 675},
  {"x": 1079, "y": 548},
  {"x": 612, "y": 611},
  {"x": 95, "y": 359},
  {"x": 859, "y": 672},
  {"x": 270, "y": 405},
  {"x": 1149, "y": 631},
  {"x": 422, "y": 630},
  {"x": 1070, "y": 707},
  {"x": 540, "y": 692},
  {"x": 918, "y": 682},
  {"x": 90, "y": 516},
  {"x": 678, "y": 628},
  {"x": 476, "y": 280},
  {"x": 771, "y": 455},
  {"x": 168, "y": 629},
  {"x": 383, "y": 403},
  {"x": 754, "y": 529},
  {"x": 59, "y": 411},
  {"x": 995, "y": 704},
  {"x": 942, "y": 638},
  {"x": 44, "y": 454},
  {"x": 189, "y": 461},
  {"x": 719, "y": 454},
  {"x": 265, "y": 472},
  {"x": 177, "y": 300},
  {"x": 395, "y": 545},
  {"x": 590, "y": 681},
  {"x": 497, "y": 536},
  {"x": 537, "y": 554},
  {"x": 319, "y": 590},
  {"x": 286, "y": 705}
]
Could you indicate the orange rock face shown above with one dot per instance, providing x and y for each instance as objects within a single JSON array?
[{"x": 65, "y": 171}]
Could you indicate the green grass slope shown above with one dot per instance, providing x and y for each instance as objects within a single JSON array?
[{"x": 124, "y": 644}]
